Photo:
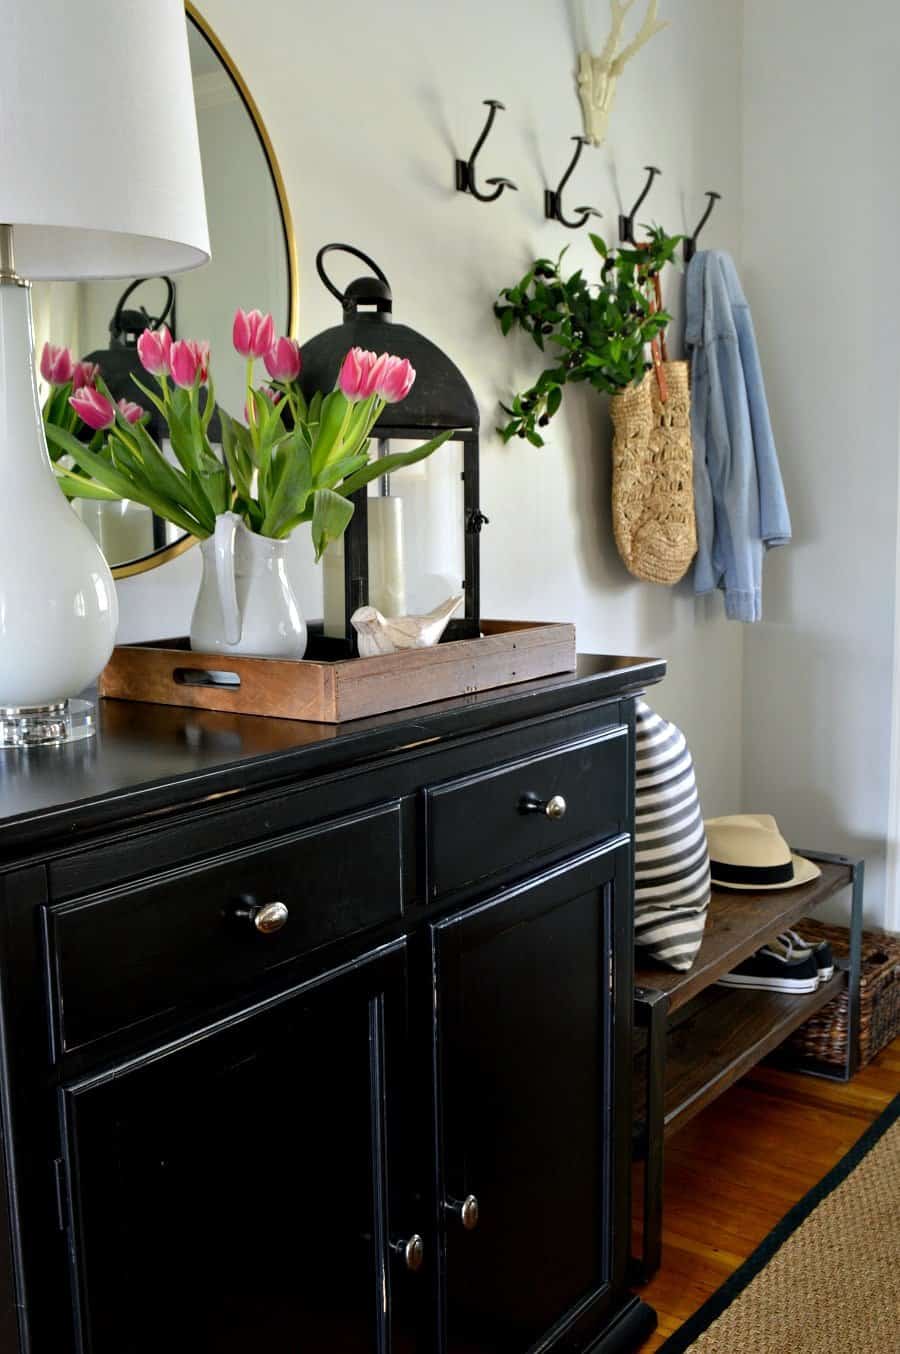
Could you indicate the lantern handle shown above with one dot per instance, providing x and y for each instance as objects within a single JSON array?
[
  {"x": 153, "y": 322},
  {"x": 346, "y": 249}
]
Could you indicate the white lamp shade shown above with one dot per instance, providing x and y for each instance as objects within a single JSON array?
[{"x": 100, "y": 172}]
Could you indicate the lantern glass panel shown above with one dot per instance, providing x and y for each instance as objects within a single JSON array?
[
  {"x": 430, "y": 537},
  {"x": 416, "y": 542}
]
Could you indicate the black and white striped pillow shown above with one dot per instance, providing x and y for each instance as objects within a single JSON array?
[{"x": 671, "y": 860}]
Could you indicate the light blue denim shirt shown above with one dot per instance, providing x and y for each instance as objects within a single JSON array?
[{"x": 738, "y": 493}]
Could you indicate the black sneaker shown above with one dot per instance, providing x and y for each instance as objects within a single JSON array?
[
  {"x": 771, "y": 971},
  {"x": 820, "y": 950}
]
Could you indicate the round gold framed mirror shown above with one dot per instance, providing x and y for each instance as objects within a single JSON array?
[{"x": 253, "y": 265}]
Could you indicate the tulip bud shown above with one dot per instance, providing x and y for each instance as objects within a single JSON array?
[
  {"x": 56, "y": 365},
  {"x": 189, "y": 362},
  {"x": 131, "y": 411},
  {"x": 396, "y": 380},
  {"x": 85, "y": 374},
  {"x": 358, "y": 374},
  {"x": 252, "y": 333},
  {"x": 93, "y": 408},
  {"x": 154, "y": 348},
  {"x": 283, "y": 360}
]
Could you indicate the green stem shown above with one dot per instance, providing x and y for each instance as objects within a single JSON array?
[
  {"x": 131, "y": 443},
  {"x": 251, "y": 407},
  {"x": 339, "y": 440},
  {"x": 165, "y": 392}
]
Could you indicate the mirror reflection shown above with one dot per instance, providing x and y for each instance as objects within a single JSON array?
[{"x": 251, "y": 266}]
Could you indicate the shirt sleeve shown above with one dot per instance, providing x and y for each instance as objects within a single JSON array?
[
  {"x": 737, "y": 554},
  {"x": 774, "y": 517}
]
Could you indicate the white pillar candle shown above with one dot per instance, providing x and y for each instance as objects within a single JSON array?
[
  {"x": 333, "y": 590},
  {"x": 387, "y": 575}
]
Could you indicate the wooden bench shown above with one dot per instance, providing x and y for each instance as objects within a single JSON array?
[{"x": 693, "y": 1039}]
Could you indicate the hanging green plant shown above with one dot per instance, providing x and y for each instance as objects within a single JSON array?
[{"x": 600, "y": 330}]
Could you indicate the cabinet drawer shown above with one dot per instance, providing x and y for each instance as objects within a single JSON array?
[
  {"x": 553, "y": 802},
  {"x": 191, "y": 936}
]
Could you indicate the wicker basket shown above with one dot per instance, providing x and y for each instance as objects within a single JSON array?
[
  {"x": 653, "y": 477},
  {"x": 824, "y": 1036}
]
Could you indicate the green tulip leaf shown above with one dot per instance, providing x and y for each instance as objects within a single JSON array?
[
  {"x": 385, "y": 465},
  {"x": 78, "y": 486},
  {"x": 335, "y": 415},
  {"x": 292, "y": 485},
  {"x": 331, "y": 516}
]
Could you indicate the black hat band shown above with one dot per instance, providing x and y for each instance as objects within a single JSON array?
[{"x": 751, "y": 874}]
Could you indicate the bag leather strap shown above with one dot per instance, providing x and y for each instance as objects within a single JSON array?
[{"x": 659, "y": 348}]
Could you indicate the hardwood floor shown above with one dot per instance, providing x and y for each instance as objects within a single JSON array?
[{"x": 735, "y": 1170}]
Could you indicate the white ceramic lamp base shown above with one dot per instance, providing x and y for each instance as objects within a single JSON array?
[
  {"x": 58, "y": 605},
  {"x": 39, "y": 725}
]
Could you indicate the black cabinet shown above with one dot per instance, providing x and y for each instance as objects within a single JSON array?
[
  {"x": 229, "y": 1192},
  {"x": 326, "y": 1047},
  {"x": 527, "y": 1093}
]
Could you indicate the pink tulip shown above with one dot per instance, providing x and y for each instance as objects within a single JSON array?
[
  {"x": 154, "y": 347},
  {"x": 283, "y": 360},
  {"x": 131, "y": 411},
  {"x": 93, "y": 408},
  {"x": 85, "y": 374},
  {"x": 189, "y": 362},
  {"x": 375, "y": 374},
  {"x": 355, "y": 373},
  {"x": 56, "y": 365},
  {"x": 395, "y": 380},
  {"x": 253, "y": 333}
]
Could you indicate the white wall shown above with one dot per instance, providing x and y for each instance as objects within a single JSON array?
[
  {"x": 367, "y": 112},
  {"x": 821, "y": 194}
]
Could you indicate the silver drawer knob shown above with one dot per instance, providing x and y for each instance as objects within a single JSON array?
[
  {"x": 266, "y": 917},
  {"x": 464, "y": 1210},
  {"x": 554, "y": 808},
  {"x": 412, "y": 1251}
]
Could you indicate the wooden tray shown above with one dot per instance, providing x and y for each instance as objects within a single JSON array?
[{"x": 168, "y": 672}]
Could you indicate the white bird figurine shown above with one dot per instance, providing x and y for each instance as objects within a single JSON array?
[{"x": 386, "y": 634}]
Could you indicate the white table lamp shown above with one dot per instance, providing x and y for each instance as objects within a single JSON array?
[{"x": 100, "y": 176}]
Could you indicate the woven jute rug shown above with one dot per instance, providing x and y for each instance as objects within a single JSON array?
[{"x": 828, "y": 1276}]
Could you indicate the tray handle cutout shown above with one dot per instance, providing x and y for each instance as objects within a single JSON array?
[{"x": 206, "y": 677}]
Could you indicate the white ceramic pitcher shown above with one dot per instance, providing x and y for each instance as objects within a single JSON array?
[{"x": 246, "y": 603}]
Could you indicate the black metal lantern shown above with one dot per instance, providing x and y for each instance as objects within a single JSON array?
[{"x": 441, "y": 399}]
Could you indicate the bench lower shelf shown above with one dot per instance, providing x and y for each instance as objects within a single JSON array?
[
  {"x": 721, "y": 1035},
  {"x": 693, "y": 1039}
]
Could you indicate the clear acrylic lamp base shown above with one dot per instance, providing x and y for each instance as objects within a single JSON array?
[{"x": 28, "y": 726}]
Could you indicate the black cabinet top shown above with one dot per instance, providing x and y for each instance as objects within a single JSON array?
[{"x": 149, "y": 758}]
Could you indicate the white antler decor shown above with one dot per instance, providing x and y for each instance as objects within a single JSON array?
[{"x": 599, "y": 75}]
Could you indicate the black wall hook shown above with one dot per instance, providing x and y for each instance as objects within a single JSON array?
[
  {"x": 553, "y": 208},
  {"x": 690, "y": 241},
  {"x": 465, "y": 169},
  {"x": 626, "y": 223}
]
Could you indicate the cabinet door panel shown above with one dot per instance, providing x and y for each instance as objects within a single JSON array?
[
  {"x": 525, "y": 1040},
  {"x": 229, "y": 1194}
]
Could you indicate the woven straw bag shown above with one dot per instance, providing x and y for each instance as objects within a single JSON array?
[{"x": 653, "y": 473}]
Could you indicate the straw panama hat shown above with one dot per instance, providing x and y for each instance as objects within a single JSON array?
[{"x": 746, "y": 851}]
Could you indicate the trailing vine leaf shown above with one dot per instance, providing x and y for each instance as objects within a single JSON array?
[{"x": 600, "y": 329}]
